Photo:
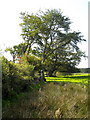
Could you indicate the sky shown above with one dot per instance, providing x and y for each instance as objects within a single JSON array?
[{"x": 76, "y": 10}]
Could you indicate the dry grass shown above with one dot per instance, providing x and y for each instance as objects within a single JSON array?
[{"x": 71, "y": 98}]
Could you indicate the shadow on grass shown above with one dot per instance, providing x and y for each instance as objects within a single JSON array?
[{"x": 78, "y": 77}]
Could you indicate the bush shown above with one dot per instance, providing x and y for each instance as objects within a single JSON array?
[
  {"x": 32, "y": 60},
  {"x": 16, "y": 78},
  {"x": 10, "y": 78},
  {"x": 58, "y": 74},
  {"x": 25, "y": 71}
]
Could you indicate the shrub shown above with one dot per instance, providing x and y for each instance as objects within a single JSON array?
[
  {"x": 15, "y": 78},
  {"x": 58, "y": 74},
  {"x": 25, "y": 70},
  {"x": 10, "y": 78},
  {"x": 33, "y": 60}
]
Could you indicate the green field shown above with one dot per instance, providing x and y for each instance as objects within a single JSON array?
[{"x": 78, "y": 78}]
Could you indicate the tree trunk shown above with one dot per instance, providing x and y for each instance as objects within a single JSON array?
[
  {"x": 42, "y": 74},
  {"x": 14, "y": 58},
  {"x": 51, "y": 73},
  {"x": 42, "y": 70}
]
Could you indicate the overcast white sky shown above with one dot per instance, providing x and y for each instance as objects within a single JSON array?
[{"x": 76, "y": 10}]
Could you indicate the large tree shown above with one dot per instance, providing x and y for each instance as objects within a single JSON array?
[{"x": 49, "y": 32}]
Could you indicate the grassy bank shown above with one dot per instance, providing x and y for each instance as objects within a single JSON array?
[{"x": 43, "y": 101}]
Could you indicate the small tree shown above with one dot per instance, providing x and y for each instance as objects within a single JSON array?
[{"x": 17, "y": 50}]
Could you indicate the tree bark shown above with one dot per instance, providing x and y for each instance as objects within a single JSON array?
[{"x": 42, "y": 70}]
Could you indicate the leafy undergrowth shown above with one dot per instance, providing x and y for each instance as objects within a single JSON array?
[{"x": 71, "y": 98}]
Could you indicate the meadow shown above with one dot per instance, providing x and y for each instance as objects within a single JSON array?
[
  {"x": 69, "y": 93},
  {"x": 75, "y": 78}
]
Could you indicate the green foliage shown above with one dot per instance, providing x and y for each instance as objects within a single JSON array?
[
  {"x": 50, "y": 32},
  {"x": 59, "y": 74},
  {"x": 25, "y": 70},
  {"x": 16, "y": 78},
  {"x": 17, "y": 50},
  {"x": 9, "y": 74},
  {"x": 85, "y": 70},
  {"x": 71, "y": 98},
  {"x": 31, "y": 59},
  {"x": 34, "y": 61}
]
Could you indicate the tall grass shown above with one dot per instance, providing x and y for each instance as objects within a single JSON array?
[{"x": 71, "y": 98}]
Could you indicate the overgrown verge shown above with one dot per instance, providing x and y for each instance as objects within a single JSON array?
[
  {"x": 27, "y": 97},
  {"x": 71, "y": 98}
]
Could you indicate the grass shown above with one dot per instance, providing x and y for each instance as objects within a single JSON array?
[
  {"x": 83, "y": 78},
  {"x": 45, "y": 99}
]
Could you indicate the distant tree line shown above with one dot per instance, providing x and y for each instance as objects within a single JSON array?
[{"x": 85, "y": 70}]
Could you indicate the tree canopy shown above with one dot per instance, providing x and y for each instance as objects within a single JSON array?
[
  {"x": 48, "y": 36},
  {"x": 53, "y": 40}
]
